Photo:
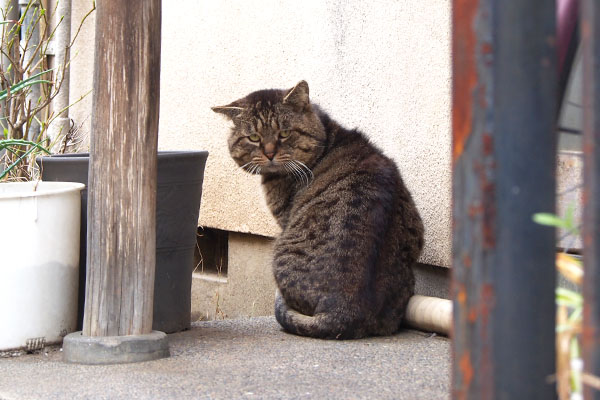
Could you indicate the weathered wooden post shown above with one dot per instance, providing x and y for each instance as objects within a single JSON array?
[
  {"x": 504, "y": 160},
  {"x": 590, "y": 37},
  {"x": 117, "y": 324}
]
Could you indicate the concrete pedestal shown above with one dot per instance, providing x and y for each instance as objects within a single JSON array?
[{"x": 114, "y": 349}]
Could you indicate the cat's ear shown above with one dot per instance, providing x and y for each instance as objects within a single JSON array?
[
  {"x": 232, "y": 111},
  {"x": 298, "y": 96}
]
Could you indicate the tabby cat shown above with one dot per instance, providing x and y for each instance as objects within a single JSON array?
[{"x": 350, "y": 229}]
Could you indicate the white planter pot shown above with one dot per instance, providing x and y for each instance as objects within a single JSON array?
[{"x": 39, "y": 257}]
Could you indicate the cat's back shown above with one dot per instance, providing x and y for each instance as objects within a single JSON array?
[
  {"x": 353, "y": 168},
  {"x": 364, "y": 187},
  {"x": 351, "y": 152},
  {"x": 356, "y": 191}
]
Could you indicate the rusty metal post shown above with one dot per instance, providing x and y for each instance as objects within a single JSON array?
[
  {"x": 504, "y": 155},
  {"x": 590, "y": 36}
]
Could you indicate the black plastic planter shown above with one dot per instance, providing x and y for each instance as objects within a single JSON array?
[{"x": 180, "y": 176}]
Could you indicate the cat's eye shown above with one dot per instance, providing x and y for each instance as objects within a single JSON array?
[
  {"x": 254, "y": 137},
  {"x": 284, "y": 134}
]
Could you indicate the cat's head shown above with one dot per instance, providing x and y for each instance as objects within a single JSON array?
[{"x": 275, "y": 131}]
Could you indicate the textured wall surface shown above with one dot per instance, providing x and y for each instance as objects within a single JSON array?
[
  {"x": 569, "y": 174},
  {"x": 380, "y": 66}
]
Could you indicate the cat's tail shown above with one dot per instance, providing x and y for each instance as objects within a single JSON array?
[{"x": 324, "y": 325}]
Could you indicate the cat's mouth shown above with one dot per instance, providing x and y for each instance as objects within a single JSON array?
[
  {"x": 272, "y": 166},
  {"x": 294, "y": 168},
  {"x": 264, "y": 166},
  {"x": 285, "y": 166}
]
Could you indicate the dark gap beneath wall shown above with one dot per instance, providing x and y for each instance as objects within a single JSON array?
[
  {"x": 432, "y": 280},
  {"x": 211, "y": 253}
]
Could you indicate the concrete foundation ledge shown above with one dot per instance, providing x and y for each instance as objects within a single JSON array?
[{"x": 100, "y": 350}]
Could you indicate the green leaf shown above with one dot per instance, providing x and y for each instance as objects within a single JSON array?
[
  {"x": 568, "y": 298},
  {"x": 570, "y": 213},
  {"x": 575, "y": 355},
  {"x": 32, "y": 80},
  {"x": 550, "y": 220},
  {"x": 563, "y": 328},
  {"x": 7, "y": 143},
  {"x": 570, "y": 219}
]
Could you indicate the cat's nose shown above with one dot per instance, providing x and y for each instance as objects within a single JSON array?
[{"x": 269, "y": 150}]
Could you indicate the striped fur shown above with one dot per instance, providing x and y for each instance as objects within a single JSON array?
[{"x": 350, "y": 229}]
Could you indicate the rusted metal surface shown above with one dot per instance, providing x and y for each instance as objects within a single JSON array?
[
  {"x": 590, "y": 31},
  {"x": 504, "y": 150},
  {"x": 463, "y": 49}
]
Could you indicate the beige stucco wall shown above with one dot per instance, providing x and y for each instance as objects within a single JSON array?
[{"x": 381, "y": 66}]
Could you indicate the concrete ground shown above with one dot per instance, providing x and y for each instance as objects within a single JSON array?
[{"x": 246, "y": 359}]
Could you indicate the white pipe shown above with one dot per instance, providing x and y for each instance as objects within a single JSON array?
[
  {"x": 62, "y": 39},
  {"x": 30, "y": 55},
  {"x": 10, "y": 11},
  {"x": 430, "y": 314}
]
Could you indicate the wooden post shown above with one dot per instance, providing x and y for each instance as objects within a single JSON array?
[{"x": 122, "y": 176}]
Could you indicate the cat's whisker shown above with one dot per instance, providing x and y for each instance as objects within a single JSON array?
[
  {"x": 253, "y": 167},
  {"x": 302, "y": 169},
  {"x": 288, "y": 167},
  {"x": 304, "y": 176},
  {"x": 243, "y": 167},
  {"x": 285, "y": 166},
  {"x": 312, "y": 176},
  {"x": 297, "y": 172}
]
